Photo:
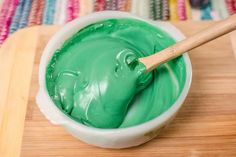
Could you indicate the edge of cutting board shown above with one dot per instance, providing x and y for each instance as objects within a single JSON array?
[
  {"x": 16, "y": 57},
  {"x": 233, "y": 42}
]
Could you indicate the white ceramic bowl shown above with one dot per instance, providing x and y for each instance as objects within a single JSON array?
[{"x": 107, "y": 138}]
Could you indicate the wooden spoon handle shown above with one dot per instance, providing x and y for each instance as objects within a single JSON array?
[{"x": 200, "y": 38}]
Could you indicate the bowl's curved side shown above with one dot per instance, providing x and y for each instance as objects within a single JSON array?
[{"x": 107, "y": 138}]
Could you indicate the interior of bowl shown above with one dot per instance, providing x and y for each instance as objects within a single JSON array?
[{"x": 166, "y": 93}]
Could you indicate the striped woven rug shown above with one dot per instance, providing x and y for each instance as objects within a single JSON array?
[{"x": 16, "y": 14}]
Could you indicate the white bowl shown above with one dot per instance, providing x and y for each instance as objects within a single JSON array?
[{"x": 107, "y": 138}]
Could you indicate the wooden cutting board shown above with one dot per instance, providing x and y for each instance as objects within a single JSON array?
[{"x": 205, "y": 126}]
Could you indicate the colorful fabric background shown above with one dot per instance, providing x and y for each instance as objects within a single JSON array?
[{"x": 16, "y": 14}]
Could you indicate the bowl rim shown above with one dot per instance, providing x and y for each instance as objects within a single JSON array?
[{"x": 56, "y": 116}]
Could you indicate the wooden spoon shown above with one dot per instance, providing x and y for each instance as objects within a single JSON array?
[{"x": 198, "y": 39}]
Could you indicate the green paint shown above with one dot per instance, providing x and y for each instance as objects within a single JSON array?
[{"x": 95, "y": 74}]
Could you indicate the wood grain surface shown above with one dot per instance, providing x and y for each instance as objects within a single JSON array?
[
  {"x": 205, "y": 126},
  {"x": 16, "y": 64}
]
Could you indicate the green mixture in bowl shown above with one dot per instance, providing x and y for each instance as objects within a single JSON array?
[{"x": 107, "y": 52}]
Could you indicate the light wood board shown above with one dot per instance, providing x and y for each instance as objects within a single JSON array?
[{"x": 205, "y": 126}]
